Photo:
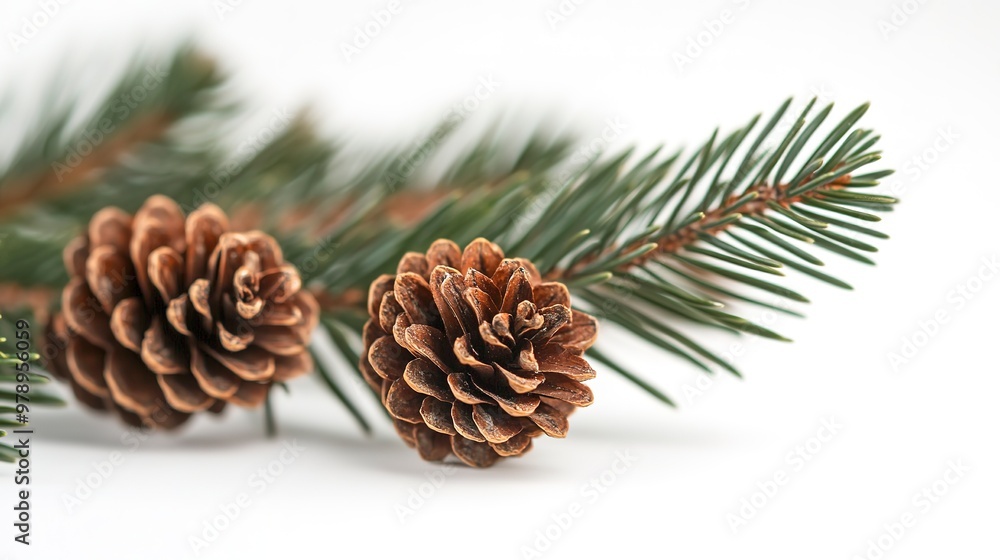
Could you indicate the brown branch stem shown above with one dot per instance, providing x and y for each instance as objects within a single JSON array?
[
  {"x": 676, "y": 241},
  {"x": 52, "y": 183}
]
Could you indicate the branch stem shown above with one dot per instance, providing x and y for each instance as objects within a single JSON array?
[
  {"x": 53, "y": 183},
  {"x": 755, "y": 201}
]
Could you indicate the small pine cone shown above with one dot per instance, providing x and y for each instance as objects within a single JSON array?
[
  {"x": 165, "y": 316},
  {"x": 473, "y": 354}
]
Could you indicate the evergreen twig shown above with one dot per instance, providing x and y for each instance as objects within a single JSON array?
[{"x": 651, "y": 242}]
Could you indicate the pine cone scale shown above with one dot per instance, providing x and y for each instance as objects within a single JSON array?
[
  {"x": 198, "y": 298},
  {"x": 465, "y": 424},
  {"x": 184, "y": 393},
  {"x": 432, "y": 344},
  {"x": 159, "y": 351},
  {"x": 202, "y": 231},
  {"x": 403, "y": 402},
  {"x": 252, "y": 364},
  {"x": 280, "y": 340},
  {"x": 213, "y": 378},
  {"x": 523, "y": 381},
  {"x": 570, "y": 365},
  {"x": 493, "y": 348},
  {"x": 250, "y": 395},
  {"x": 468, "y": 357},
  {"x": 387, "y": 358},
  {"x": 474, "y": 453},
  {"x": 426, "y": 379},
  {"x": 83, "y": 316},
  {"x": 389, "y": 313},
  {"x": 582, "y": 336},
  {"x": 461, "y": 386},
  {"x": 414, "y": 295},
  {"x": 565, "y": 389},
  {"x": 86, "y": 365},
  {"x": 437, "y": 415},
  {"x": 138, "y": 393},
  {"x": 513, "y": 446},
  {"x": 550, "y": 420},
  {"x": 290, "y": 367},
  {"x": 158, "y": 224},
  {"x": 110, "y": 226},
  {"x": 128, "y": 323},
  {"x": 515, "y": 404},
  {"x": 107, "y": 273},
  {"x": 495, "y": 427}
]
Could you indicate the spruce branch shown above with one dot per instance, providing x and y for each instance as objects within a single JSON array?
[
  {"x": 61, "y": 158},
  {"x": 654, "y": 242},
  {"x": 648, "y": 247},
  {"x": 682, "y": 249},
  {"x": 51, "y": 183}
]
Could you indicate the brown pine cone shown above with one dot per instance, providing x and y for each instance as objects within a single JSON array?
[
  {"x": 165, "y": 316},
  {"x": 473, "y": 354}
]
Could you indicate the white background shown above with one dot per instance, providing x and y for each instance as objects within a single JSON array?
[{"x": 933, "y": 82}]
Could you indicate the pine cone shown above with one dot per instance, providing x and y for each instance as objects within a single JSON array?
[
  {"x": 164, "y": 317},
  {"x": 473, "y": 354}
]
